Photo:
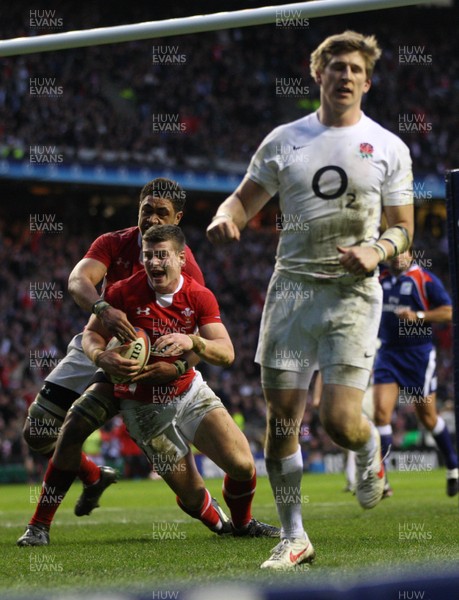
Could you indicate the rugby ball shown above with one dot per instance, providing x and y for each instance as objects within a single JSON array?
[{"x": 138, "y": 349}]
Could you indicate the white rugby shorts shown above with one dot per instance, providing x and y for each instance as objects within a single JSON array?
[
  {"x": 75, "y": 370},
  {"x": 327, "y": 324},
  {"x": 163, "y": 431}
]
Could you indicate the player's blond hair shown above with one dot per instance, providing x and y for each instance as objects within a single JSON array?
[{"x": 348, "y": 41}]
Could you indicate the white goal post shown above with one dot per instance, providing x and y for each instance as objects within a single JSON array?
[{"x": 194, "y": 24}]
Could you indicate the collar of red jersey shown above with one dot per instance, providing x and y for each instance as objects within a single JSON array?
[{"x": 166, "y": 299}]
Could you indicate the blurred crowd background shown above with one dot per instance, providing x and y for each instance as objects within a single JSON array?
[
  {"x": 229, "y": 88},
  {"x": 226, "y": 92}
]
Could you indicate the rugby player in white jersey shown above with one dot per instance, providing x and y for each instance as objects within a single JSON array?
[{"x": 336, "y": 172}]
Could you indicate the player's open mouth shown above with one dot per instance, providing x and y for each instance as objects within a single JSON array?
[
  {"x": 158, "y": 274},
  {"x": 344, "y": 90}
]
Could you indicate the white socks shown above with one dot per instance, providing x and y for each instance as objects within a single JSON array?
[
  {"x": 350, "y": 468},
  {"x": 285, "y": 477},
  {"x": 385, "y": 429},
  {"x": 439, "y": 426},
  {"x": 369, "y": 446}
]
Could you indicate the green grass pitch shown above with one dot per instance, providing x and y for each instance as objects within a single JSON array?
[{"x": 140, "y": 540}]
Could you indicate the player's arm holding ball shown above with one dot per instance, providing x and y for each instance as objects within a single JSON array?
[
  {"x": 212, "y": 345},
  {"x": 95, "y": 339}
]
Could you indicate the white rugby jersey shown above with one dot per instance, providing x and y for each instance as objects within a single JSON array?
[{"x": 332, "y": 184}]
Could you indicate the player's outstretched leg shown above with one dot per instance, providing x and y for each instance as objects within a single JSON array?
[
  {"x": 219, "y": 438},
  {"x": 210, "y": 514},
  {"x": 193, "y": 498},
  {"x": 55, "y": 486}
]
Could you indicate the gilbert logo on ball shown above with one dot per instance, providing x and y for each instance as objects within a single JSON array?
[{"x": 138, "y": 349}]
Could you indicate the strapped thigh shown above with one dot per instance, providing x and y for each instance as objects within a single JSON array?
[{"x": 95, "y": 408}]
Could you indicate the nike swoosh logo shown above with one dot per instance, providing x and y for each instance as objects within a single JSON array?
[
  {"x": 295, "y": 557},
  {"x": 299, "y": 147},
  {"x": 368, "y": 354}
]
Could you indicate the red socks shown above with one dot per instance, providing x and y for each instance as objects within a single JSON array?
[
  {"x": 55, "y": 485},
  {"x": 238, "y": 496},
  {"x": 207, "y": 513},
  {"x": 89, "y": 472}
]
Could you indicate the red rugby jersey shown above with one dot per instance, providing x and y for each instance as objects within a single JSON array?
[{"x": 189, "y": 307}]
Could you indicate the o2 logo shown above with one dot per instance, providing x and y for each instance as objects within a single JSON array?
[{"x": 341, "y": 188}]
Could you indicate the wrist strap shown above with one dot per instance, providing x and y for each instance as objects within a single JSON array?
[
  {"x": 99, "y": 306},
  {"x": 381, "y": 251},
  {"x": 199, "y": 345},
  {"x": 181, "y": 366}
]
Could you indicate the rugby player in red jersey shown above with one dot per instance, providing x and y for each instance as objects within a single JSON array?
[
  {"x": 111, "y": 257},
  {"x": 180, "y": 316}
]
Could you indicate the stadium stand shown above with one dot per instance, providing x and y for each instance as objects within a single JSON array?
[{"x": 109, "y": 93}]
